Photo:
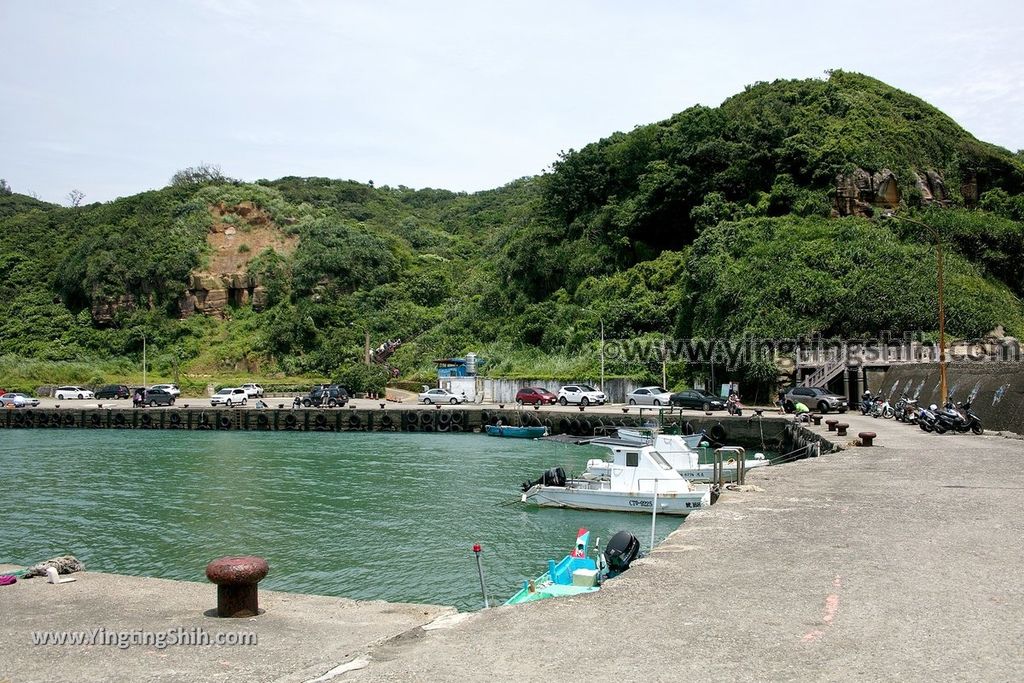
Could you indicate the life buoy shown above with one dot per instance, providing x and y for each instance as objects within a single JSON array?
[
  {"x": 289, "y": 421},
  {"x": 175, "y": 419},
  {"x": 119, "y": 420}
]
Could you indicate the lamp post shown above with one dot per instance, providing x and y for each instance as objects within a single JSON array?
[
  {"x": 935, "y": 235},
  {"x": 143, "y": 361}
]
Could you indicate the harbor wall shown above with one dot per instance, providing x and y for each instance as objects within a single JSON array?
[
  {"x": 497, "y": 390},
  {"x": 767, "y": 433},
  {"x": 995, "y": 389}
]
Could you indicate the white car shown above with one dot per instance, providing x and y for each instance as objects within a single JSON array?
[
  {"x": 18, "y": 400},
  {"x": 440, "y": 396},
  {"x": 253, "y": 390},
  {"x": 649, "y": 396},
  {"x": 583, "y": 394},
  {"x": 171, "y": 389},
  {"x": 65, "y": 393},
  {"x": 229, "y": 396}
]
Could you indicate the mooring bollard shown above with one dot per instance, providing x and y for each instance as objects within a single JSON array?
[
  {"x": 866, "y": 438},
  {"x": 816, "y": 419},
  {"x": 236, "y": 579},
  {"x": 832, "y": 424},
  {"x": 841, "y": 429}
]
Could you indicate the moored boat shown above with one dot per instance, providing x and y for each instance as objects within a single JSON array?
[
  {"x": 510, "y": 432},
  {"x": 637, "y": 480},
  {"x": 576, "y": 573},
  {"x": 680, "y": 451}
]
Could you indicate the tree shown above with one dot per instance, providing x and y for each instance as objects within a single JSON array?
[
  {"x": 5, "y": 189},
  {"x": 75, "y": 198},
  {"x": 203, "y": 174}
]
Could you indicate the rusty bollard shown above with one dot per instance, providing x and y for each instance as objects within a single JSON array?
[
  {"x": 236, "y": 579},
  {"x": 816, "y": 419},
  {"x": 831, "y": 424},
  {"x": 866, "y": 438},
  {"x": 841, "y": 428}
]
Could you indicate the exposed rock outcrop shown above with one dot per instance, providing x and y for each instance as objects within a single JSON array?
[
  {"x": 212, "y": 294},
  {"x": 860, "y": 193}
]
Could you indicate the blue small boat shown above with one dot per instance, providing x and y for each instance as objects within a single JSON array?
[
  {"x": 575, "y": 574},
  {"x": 511, "y": 432}
]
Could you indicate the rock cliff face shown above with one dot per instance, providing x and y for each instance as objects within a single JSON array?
[
  {"x": 860, "y": 193},
  {"x": 213, "y": 294}
]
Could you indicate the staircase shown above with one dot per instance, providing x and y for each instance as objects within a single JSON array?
[{"x": 825, "y": 373}]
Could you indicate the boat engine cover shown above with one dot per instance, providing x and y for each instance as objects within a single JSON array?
[
  {"x": 552, "y": 477},
  {"x": 621, "y": 550}
]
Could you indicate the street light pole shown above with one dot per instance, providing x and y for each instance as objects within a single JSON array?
[
  {"x": 143, "y": 361},
  {"x": 602, "y": 355},
  {"x": 935, "y": 235}
]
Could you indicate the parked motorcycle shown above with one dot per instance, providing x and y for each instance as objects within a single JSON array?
[
  {"x": 959, "y": 418},
  {"x": 881, "y": 408},
  {"x": 926, "y": 418}
]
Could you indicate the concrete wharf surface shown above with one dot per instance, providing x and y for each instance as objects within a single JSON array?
[{"x": 904, "y": 561}]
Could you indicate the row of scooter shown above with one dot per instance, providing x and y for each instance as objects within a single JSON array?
[{"x": 953, "y": 417}]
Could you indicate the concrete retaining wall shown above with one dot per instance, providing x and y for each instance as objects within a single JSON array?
[{"x": 997, "y": 389}]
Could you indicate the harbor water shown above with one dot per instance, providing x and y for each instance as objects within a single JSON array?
[{"x": 360, "y": 515}]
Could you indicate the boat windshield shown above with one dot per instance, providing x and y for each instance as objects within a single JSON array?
[{"x": 659, "y": 459}]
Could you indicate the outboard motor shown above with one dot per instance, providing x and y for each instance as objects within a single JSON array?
[
  {"x": 621, "y": 550},
  {"x": 552, "y": 477}
]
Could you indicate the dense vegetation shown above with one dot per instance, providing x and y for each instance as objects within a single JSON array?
[{"x": 717, "y": 221}]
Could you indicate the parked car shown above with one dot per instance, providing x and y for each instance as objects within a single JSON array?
[
  {"x": 535, "y": 396},
  {"x": 253, "y": 390},
  {"x": 158, "y": 397},
  {"x": 229, "y": 396},
  {"x": 65, "y": 393},
  {"x": 815, "y": 398},
  {"x": 583, "y": 394},
  {"x": 113, "y": 391},
  {"x": 171, "y": 389},
  {"x": 18, "y": 400},
  {"x": 698, "y": 399},
  {"x": 440, "y": 396},
  {"x": 325, "y": 395},
  {"x": 649, "y": 396}
]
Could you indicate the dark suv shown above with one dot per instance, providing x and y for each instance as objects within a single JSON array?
[
  {"x": 331, "y": 395},
  {"x": 815, "y": 398},
  {"x": 113, "y": 391}
]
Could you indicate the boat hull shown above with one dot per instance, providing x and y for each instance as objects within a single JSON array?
[
  {"x": 682, "y": 503},
  {"x": 516, "y": 432}
]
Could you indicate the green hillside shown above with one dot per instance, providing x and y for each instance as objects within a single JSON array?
[{"x": 717, "y": 221}]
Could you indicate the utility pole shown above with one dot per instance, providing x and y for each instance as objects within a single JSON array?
[
  {"x": 602, "y": 355},
  {"x": 664, "y": 375},
  {"x": 143, "y": 361},
  {"x": 367, "y": 347}
]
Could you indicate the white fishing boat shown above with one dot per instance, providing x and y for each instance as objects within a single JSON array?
[
  {"x": 682, "y": 452},
  {"x": 639, "y": 480}
]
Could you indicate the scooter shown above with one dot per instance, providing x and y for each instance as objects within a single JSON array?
[
  {"x": 733, "y": 405},
  {"x": 866, "y": 402},
  {"x": 926, "y": 418},
  {"x": 958, "y": 418}
]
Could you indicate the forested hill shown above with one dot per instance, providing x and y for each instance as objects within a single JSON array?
[{"x": 761, "y": 216}]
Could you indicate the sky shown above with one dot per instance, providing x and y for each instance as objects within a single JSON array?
[{"x": 112, "y": 97}]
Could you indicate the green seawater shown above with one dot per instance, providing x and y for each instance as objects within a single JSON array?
[{"x": 365, "y": 516}]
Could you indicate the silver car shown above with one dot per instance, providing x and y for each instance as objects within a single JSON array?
[
  {"x": 440, "y": 396},
  {"x": 649, "y": 396},
  {"x": 18, "y": 400}
]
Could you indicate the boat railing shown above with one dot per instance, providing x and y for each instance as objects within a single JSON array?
[{"x": 739, "y": 454}]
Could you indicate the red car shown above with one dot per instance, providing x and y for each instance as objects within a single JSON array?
[{"x": 535, "y": 395}]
